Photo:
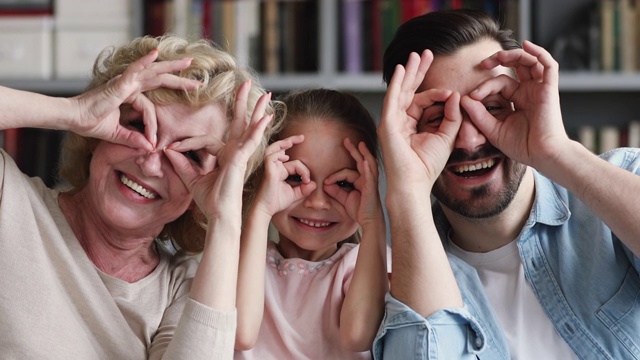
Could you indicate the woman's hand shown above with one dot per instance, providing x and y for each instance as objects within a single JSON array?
[
  {"x": 533, "y": 133},
  {"x": 217, "y": 186},
  {"x": 99, "y": 109},
  {"x": 357, "y": 191},
  {"x": 284, "y": 181}
]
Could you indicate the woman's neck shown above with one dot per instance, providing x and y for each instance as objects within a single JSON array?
[{"x": 129, "y": 258}]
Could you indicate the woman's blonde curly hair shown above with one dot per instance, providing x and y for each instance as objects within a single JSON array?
[{"x": 220, "y": 76}]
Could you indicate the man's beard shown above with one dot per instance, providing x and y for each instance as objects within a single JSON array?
[{"x": 483, "y": 203}]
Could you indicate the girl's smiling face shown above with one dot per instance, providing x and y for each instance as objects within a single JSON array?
[
  {"x": 312, "y": 227},
  {"x": 138, "y": 192}
]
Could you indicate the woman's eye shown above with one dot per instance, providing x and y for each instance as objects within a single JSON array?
[
  {"x": 294, "y": 179},
  {"x": 138, "y": 125},
  {"x": 344, "y": 184},
  {"x": 192, "y": 155}
]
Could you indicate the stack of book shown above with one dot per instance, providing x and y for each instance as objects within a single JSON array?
[{"x": 600, "y": 139}]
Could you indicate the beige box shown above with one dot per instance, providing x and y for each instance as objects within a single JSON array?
[
  {"x": 76, "y": 50},
  {"x": 26, "y": 47},
  {"x": 93, "y": 13}
]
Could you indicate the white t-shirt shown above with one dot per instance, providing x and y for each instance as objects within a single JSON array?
[{"x": 529, "y": 332}]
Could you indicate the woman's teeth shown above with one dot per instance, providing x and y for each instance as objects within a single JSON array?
[{"x": 136, "y": 187}]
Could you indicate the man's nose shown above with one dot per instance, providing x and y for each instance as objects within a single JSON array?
[{"x": 469, "y": 137}]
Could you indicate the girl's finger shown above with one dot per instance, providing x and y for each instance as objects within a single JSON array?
[
  {"x": 371, "y": 163},
  {"x": 353, "y": 151},
  {"x": 347, "y": 175},
  {"x": 284, "y": 144},
  {"x": 296, "y": 167}
]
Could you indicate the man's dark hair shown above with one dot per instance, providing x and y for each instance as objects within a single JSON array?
[{"x": 443, "y": 32}]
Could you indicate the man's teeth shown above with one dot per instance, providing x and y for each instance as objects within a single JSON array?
[
  {"x": 136, "y": 187},
  {"x": 473, "y": 167},
  {"x": 313, "y": 223}
]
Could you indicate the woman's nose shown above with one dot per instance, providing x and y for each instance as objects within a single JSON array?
[{"x": 151, "y": 163}]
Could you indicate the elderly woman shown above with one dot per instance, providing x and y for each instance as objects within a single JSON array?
[{"x": 156, "y": 158}]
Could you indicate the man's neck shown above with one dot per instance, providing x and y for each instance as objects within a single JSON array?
[{"x": 484, "y": 235}]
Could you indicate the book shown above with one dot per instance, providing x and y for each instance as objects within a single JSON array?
[
  {"x": 375, "y": 35},
  {"x": 587, "y": 137},
  {"x": 607, "y": 35},
  {"x": 270, "y": 30},
  {"x": 247, "y": 32},
  {"x": 627, "y": 40},
  {"x": 352, "y": 35},
  {"x": 633, "y": 134},
  {"x": 609, "y": 138}
]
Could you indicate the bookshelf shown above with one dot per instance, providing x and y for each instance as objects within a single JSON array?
[{"x": 588, "y": 96}]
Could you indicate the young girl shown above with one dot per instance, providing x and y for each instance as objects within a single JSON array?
[{"x": 321, "y": 294}]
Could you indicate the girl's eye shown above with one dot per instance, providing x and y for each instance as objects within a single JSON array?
[
  {"x": 192, "y": 155},
  {"x": 345, "y": 185},
  {"x": 294, "y": 179},
  {"x": 137, "y": 125}
]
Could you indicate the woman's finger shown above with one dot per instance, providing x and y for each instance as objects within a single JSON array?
[
  {"x": 240, "y": 121},
  {"x": 206, "y": 142}
]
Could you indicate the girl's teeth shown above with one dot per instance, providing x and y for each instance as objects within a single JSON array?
[
  {"x": 313, "y": 223},
  {"x": 136, "y": 187}
]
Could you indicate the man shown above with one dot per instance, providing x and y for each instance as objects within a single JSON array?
[{"x": 509, "y": 263}]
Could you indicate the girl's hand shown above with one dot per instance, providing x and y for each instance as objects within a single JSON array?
[
  {"x": 216, "y": 186},
  {"x": 284, "y": 181},
  {"x": 99, "y": 109},
  {"x": 533, "y": 133},
  {"x": 415, "y": 158},
  {"x": 357, "y": 191}
]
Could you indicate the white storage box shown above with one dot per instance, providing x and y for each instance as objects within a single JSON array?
[
  {"x": 93, "y": 13},
  {"x": 77, "y": 50},
  {"x": 26, "y": 47}
]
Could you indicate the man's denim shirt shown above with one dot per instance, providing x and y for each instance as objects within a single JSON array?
[{"x": 585, "y": 279}]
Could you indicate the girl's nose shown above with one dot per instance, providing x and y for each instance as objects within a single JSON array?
[{"x": 318, "y": 200}]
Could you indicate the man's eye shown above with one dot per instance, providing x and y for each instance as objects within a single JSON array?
[
  {"x": 192, "y": 155},
  {"x": 430, "y": 125},
  {"x": 344, "y": 184},
  {"x": 294, "y": 179},
  {"x": 138, "y": 125}
]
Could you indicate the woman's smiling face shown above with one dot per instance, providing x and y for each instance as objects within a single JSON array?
[{"x": 135, "y": 190}]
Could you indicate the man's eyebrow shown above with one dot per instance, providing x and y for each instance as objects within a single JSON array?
[{"x": 437, "y": 103}]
